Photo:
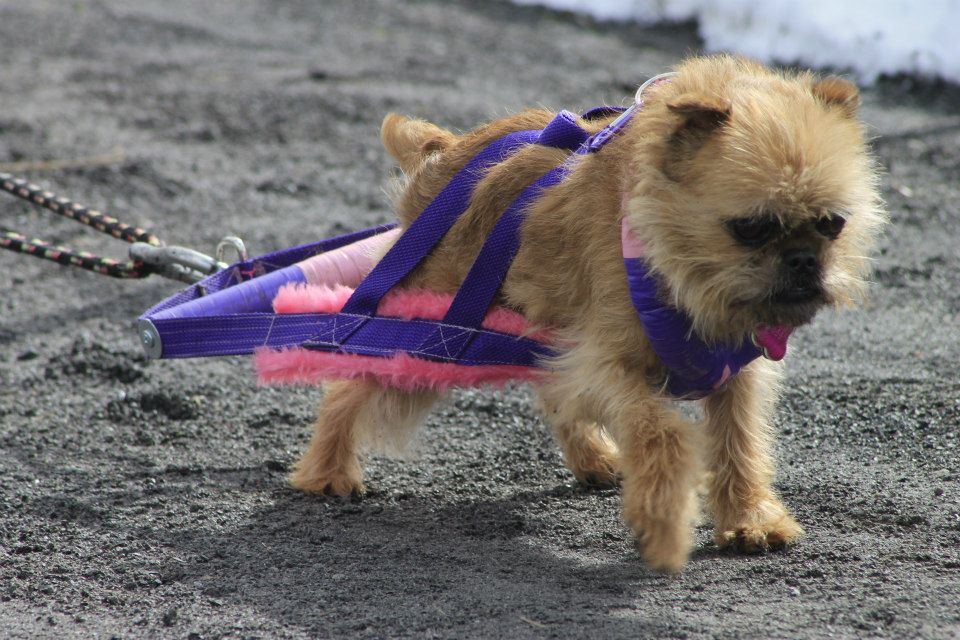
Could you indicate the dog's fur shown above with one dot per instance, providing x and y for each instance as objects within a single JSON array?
[{"x": 726, "y": 139}]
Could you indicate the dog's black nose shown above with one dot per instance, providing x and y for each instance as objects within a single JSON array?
[{"x": 800, "y": 262}]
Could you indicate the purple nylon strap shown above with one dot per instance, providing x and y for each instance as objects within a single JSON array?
[
  {"x": 436, "y": 219},
  {"x": 230, "y": 312},
  {"x": 431, "y": 225},
  {"x": 490, "y": 268},
  {"x": 242, "y": 333},
  {"x": 487, "y": 274},
  {"x": 431, "y": 340}
]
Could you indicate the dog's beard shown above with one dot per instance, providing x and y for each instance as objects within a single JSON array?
[
  {"x": 793, "y": 301},
  {"x": 769, "y": 295},
  {"x": 779, "y": 303},
  {"x": 792, "y": 313}
]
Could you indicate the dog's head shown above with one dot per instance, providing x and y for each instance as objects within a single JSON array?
[{"x": 754, "y": 194}]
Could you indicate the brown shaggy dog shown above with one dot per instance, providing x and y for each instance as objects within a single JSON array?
[{"x": 727, "y": 171}]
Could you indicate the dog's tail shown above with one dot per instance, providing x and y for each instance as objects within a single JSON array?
[{"x": 412, "y": 141}]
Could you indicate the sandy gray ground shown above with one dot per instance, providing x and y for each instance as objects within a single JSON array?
[{"x": 146, "y": 499}]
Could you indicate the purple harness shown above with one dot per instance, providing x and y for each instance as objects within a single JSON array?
[{"x": 230, "y": 312}]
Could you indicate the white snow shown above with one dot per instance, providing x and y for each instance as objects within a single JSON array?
[{"x": 867, "y": 37}]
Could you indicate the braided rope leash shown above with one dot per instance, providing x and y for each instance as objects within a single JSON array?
[
  {"x": 148, "y": 254},
  {"x": 91, "y": 217}
]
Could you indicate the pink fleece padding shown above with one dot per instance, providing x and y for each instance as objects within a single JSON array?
[
  {"x": 305, "y": 298},
  {"x": 303, "y": 366},
  {"x": 347, "y": 265},
  {"x": 406, "y": 304},
  {"x": 723, "y": 377},
  {"x": 401, "y": 371},
  {"x": 631, "y": 245}
]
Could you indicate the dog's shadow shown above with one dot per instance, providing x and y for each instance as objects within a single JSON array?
[{"x": 407, "y": 566}]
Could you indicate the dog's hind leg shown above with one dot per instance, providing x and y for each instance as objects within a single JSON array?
[
  {"x": 356, "y": 415},
  {"x": 587, "y": 451}
]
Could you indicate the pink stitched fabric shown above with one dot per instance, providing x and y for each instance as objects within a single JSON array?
[{"x": 347, "y": 265}]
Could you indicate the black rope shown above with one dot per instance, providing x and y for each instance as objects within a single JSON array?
[{"x": 91, "y": 217}]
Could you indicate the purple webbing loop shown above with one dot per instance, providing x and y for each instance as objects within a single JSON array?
[
  {"x": 563, "y": 132},
  {"x": 230, "y": 312}
]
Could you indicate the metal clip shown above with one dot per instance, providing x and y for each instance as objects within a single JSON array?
[{"x": 176, "y": 263}]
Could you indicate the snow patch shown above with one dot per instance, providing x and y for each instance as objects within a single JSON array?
[{"x": 869, "y": 38}]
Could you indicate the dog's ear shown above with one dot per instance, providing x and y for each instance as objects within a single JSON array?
[
  {"x": 838, "y": 92},
  {"x": 701, "y": 113},
  {"x": 700, "y": 116}
]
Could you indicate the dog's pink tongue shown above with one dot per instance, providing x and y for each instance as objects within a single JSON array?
[{"x": 773, "y": 340}]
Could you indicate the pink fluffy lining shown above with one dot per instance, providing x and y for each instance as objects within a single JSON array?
[
  {"x": 406, "y": 304},
  {"x": 303, "y": 366}
]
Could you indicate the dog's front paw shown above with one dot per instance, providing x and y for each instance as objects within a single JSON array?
[
  {"x": 665, "y": 546},
  {"x": 344, "y": 484},
  {"x": 664, "y": 542},
  {"x": 770, "y": 528}
]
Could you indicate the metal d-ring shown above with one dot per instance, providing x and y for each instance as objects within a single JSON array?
[
  {"x": 231, "y": 242},
  {"x": 663, "y": 77}
]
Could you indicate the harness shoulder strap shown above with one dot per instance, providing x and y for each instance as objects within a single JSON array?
[
  {"x": 431, "y": 225},
  {"x": 489, "y": 270}
]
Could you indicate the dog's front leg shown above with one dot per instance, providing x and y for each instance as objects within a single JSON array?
[
  {"x": 747, "y": 512},
  {"x": 660, "y": 466},
  {"x": 658, "y": 454}
]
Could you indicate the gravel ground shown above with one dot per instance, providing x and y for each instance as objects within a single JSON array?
[{"x": 147, "y": 499}]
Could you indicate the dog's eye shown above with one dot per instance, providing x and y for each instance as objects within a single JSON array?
[
  {"x": 831, "y": 226},
  {"x": 753, "y": 231}
]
